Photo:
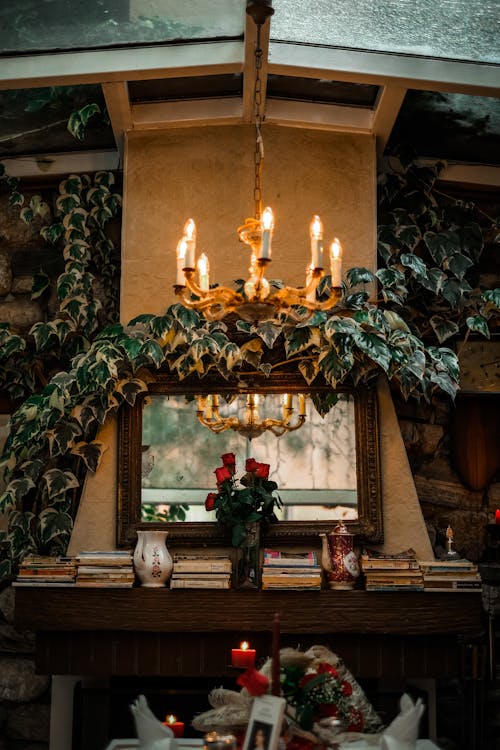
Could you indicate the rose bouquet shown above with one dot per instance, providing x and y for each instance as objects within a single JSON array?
[{"x": 239, "y": 503}]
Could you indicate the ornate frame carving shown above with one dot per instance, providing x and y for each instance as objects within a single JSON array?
[{"x": 367, "y": 528}]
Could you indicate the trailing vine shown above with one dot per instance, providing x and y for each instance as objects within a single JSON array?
[{"x": 426, "y": 258}]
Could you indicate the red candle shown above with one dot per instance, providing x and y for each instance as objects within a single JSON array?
[
  {"x": 275, "y": 656},
  {"x": 243, "y": 657},
  {"x": 497, "y": 515},
  {"x": 177, "y": 727}
]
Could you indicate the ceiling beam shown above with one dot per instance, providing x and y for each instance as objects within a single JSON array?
[
  {"x": 386, "y": 111},
  {"x": 383, "y": 69},
  {"x": 43, "y": 165},
  {"x": 188, "y": 113},
  {"x": 319, "y": 116},
  {"x": 131, "y": 64},
  {"x": 249, "y": 72},
  {"x": 120, "y": 114}
]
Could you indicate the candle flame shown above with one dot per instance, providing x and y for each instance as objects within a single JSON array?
[
  {"x": 267, "y": 218},
  {"x": 336, "y": 248},
  {"x": 244, "y": 645},
  {"x": 171, "y": 719},
  {"x": 316, "y": 228},
  {"x": 190, "y": 229}
]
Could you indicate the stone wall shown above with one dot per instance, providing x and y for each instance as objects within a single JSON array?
[{"x": 24, "y": 695}]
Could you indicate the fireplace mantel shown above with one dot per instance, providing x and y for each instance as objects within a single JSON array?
[{"x": 162, "y": 610}]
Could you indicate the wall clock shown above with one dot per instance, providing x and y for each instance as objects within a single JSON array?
[{"x": 479, "y": 366}]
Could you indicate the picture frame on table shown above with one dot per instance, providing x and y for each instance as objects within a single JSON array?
[{"x": 265, "y": 723}]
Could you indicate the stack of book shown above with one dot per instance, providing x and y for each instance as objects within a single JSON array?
[
  {"x": 195, "y": 572},
  {"x": 109, "y": 569},
  {"x": 398, "y": 572},
  {"x": 291, "y": 570},
  {"x": 39, "y": 570},
  {"x": 451, "y": 575}
]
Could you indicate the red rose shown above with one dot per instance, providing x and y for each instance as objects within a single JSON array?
[
  {"x": 346, "y": 688},
  {"x": 222, "y": 474},
  {"x": 229, "y": 461},
  {"x": 251, "y": 464},
  {"x": 253, "y": 681},
  {"x": 210, "y": 501},
  {"x": 325, "y": 668},
  {"x": 262, "y": 471}
]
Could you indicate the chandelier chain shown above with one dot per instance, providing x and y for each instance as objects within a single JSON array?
[{"x": 259, "y": 143}]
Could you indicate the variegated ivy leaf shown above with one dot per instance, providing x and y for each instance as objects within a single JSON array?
[
  {"x": 26, "y": 214},
  {"x": 357, "y": 276},
  {"x": 10, "y": 343},
  {"x": 43, "y": 333},
  {"x": 58, "y": 482},
  {"x": 62, "y": 436},
  {"x": 32, "y": 468},
  {"x": 186, "y": 364},
  {"x": 39, "y": 206},
  {"x": 90, "y": 453},
  {"x": 76, "y": 308},
  {"x": 152, "y": 351},
  {"x": 331, "y": 366},
  {"x": 73, "y": 184},
  {"x": 268, "y": 332},
  {"x": 188, "y": 319},
  {"x": 76, "y": 219},
  {"x": 492, "y": 298},
  {"x": 251, "y": 352},
  {"x": 41, "y": 283},
  {"x": 52, "y": 233},
  {"x": 309, "y": 369},
  {"x": 443, "y": 327},
  {"x": 53, "y": 524},
  {"x": 67, "y": 202},
  {"x": 130, "y": 389},
  {"x": 323, "y": 402},
  {"x": 97, "y": 195},
  {"x": 299, "y": 339},
  {"x": 478, "y": 324},
  {"x": 104, "y": 178},
  {"x": 374, "y": 347},
  {"x": 231, "y": 354},
  {"x": 414, "y": 263},
  {"x": 14, "y": 492}
]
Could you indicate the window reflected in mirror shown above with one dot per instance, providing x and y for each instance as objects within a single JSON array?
[{"x": 314, "y": 466}]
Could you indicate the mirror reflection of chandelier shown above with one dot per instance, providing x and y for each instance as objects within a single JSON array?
[
  {"x": 250, "y": 425},
  {"x": 258, "y": 301}
]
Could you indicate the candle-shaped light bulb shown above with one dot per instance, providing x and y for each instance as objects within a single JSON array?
[
  {"x": 316, "y": 234},
  {"x": 302, "y": 405},
  {"x": 336, "y": 262},
  {"x": 208, "y": 407},
  {"x": 287, "y": 405},
  {"x": 267, "y": 227},
  {"x": 203, "y": 272},
  {"x": 190, "y": 237},
  {"x": 181, "y": 262}
]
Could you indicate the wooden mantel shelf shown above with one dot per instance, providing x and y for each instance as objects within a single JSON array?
[{"x": 165, "y": 611}]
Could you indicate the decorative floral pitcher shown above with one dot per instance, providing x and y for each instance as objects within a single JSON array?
[
  {"x": 338, "y": 558},
  {"x": 152, "y": 561}
]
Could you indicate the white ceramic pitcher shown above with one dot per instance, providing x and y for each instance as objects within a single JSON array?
[{"x": 152, "y": 561}]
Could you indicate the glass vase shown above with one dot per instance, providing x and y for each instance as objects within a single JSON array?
[{"x": 248, "y": 567}]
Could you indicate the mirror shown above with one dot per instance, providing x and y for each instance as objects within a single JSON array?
[{"x": 326, "y": 469}]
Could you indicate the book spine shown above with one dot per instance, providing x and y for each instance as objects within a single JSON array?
[
  {"x": 182, "y": 583},
  {"x": 389, "y": 565},
  {"x": 202, "y": 568}
]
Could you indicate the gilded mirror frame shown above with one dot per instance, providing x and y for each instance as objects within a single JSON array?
[{"x": 367, "y": 528}]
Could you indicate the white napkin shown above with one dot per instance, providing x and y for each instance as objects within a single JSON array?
[
  {"x": 401, "y": 734},
  {"x": 152, "y": 734}
]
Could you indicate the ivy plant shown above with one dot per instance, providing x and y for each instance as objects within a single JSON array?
[{"x": 429, "y": 253}]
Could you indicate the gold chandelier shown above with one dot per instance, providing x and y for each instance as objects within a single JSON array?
[
  {"x": 251, "y": 425},
  {"x": 258, "y": 301}
]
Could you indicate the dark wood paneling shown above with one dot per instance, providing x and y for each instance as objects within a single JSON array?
[
  {"x": 208, "y": 655},
  {"x": 161, "y": 610}
]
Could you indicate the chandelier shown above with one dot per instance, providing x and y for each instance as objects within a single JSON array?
[
  {"x": 258, "y": 301},
  {"x": 251, "y": 425}
]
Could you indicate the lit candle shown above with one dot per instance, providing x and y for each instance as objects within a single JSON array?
[
  {"x": 497, "y": 515},
  {"x": 177, "y": 727},
  {"x": 243, "y": 657},
  {"x": 336, "y": 262},
  {"x": 267, "y": 224},
  {"x": 203, "y": 269},
  {"x": 302, "y": 405},
  {"x": 181, "y": 262},
  {"x": 190, "y": 238},
  {"x": 316, "y": 234}
]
